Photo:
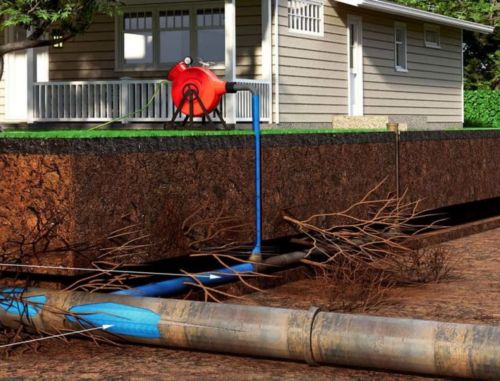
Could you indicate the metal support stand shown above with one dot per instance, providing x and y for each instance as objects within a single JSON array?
[{"x": 191, "y": 95}]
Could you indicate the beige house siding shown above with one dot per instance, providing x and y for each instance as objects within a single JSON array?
[
  {"x": 248, "y": 39},
  {"x": 91, "y": 56},
  {"x": 2, "y": 88},
  {"x": 313, "y": 69},
  {"x": 432, "y": 87},
  {"x": 313, "y": 77},
  {"x": 2, "y": 100}
]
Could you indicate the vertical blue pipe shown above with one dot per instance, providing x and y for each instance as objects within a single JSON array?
[
  {"x": 258, "y": 170},
  {"x": 173, "y": 286}
]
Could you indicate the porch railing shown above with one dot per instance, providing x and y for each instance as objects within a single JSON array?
[
  {"x": 244, "y": 101},
  {"x": 100, "y": 101}
]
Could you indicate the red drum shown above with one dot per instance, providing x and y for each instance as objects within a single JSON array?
[{"x": 198, "y": 84}]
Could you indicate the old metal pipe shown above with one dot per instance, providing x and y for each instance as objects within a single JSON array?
[{"x": 430, "y": 347}]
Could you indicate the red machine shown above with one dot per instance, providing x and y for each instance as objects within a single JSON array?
[{"x": 196, "y": 91}]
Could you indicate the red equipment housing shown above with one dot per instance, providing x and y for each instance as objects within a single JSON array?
[{"x": 201, "y": 84}]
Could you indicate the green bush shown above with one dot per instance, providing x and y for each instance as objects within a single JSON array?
[{"x": 482, "y": 108}]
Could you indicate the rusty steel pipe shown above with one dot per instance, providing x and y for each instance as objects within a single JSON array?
[{"x": 418, "y": 346}]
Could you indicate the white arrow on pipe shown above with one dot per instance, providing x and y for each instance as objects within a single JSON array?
[
  {"x": 103, "y": 327},
  {"x": 210, "y": 276}
]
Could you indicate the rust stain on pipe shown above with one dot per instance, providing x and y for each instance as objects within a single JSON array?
[{"x": 418, "y": 346}]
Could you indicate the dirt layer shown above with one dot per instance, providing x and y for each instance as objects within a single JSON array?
[
  {"x": 471, "y": 295},
  {"x": 57, "y": 195}
]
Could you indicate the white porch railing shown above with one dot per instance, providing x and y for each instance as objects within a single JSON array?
[{"x": 100, "y": 101}]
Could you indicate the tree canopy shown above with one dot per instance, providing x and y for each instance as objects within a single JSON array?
[
  {"x": 481, "y": 52},
  {"x": 39, "y": 17}
]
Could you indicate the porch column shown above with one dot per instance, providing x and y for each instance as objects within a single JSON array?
[
  {"x": 267, "y": 50},
  {"x": 230, "y": 61},
  {"x": 37, "y": 61},
  {"x": 31, "y": 78}
]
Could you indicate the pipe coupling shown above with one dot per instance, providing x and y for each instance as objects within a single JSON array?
[{"x": 307, "y": 336}]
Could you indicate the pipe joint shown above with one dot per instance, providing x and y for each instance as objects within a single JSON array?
[
  {"x": 307, "y": 336},
  {"x": 234, "y": 87}
]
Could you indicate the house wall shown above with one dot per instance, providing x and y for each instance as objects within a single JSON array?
[
  {"x": 2, "y": 88},
  {"x": 432, "y": 87},
  {"x": 313, "y": 69},
  {"x": 91, "y": 56},
  {"x": 248, "y": 39},
  {"x": 313, "y": 72},
  {"x": 88, "y": 56}
]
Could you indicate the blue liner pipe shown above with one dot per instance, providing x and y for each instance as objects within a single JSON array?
[{"x": 178, "y": 285}]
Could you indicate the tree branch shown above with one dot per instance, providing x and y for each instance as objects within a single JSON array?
[{"x": 28, "y": 44}]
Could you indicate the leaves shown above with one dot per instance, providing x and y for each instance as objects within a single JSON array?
[
  {"x": 70, "y": 16},
  {"x": 482, "y": 108},
  {"x": 39, "y": 17}
]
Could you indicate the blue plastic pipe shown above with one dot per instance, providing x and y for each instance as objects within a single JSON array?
[
  {"x": 258, "y": 172},
  {"x": 178, "y": 285}
]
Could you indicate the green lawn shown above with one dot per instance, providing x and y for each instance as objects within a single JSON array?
[{"x": 88, "y": 134}]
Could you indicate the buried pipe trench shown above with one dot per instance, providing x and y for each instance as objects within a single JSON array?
[{"x": 315, "y": 337}]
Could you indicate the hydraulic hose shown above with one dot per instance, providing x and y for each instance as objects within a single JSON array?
[
  {"x": 417, "y": 346},
  {"x": 181, "y": 284},
  {"x": 145, "y": 106},
  {"x": 212, "y": 278}
]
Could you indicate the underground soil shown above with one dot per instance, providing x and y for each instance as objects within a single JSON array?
[
  {"x": 60, "y": 197},
  {"x": 470, "y": 295}
]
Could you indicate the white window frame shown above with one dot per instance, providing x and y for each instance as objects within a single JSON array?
[
  {"x": 356, "y": 108},
  {"x": 432, "y": 28},
  {"x": 401, "y": 26},
  {"x": 121, "y": 66},
  {"x": 140, "y": 30},
  {"x": 302, "y": 30}
]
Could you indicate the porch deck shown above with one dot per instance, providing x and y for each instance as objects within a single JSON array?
[
  {"x": 101, "y": 101},
  {"x": 93, "y": 79}
]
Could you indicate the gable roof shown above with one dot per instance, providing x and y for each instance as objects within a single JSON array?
[{"x": 401, "y": 10}]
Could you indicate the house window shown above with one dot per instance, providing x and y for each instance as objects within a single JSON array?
[
  {"x": 432, "y": 36},
  {"x": 175, "y": 35},
  {"x": 138, "y": 38},
  {"x": 306, "y": 16},
  {"x": 210, "y": 29},
  {"x": 158, "y": 38},
  {"x": 400, "y": 47}
]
